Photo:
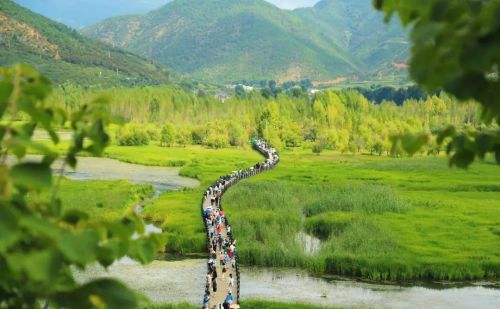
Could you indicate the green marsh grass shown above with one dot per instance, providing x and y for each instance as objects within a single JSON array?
[
  {"x": 377, "y": 217},
  {"x": 105, "y": 199}
]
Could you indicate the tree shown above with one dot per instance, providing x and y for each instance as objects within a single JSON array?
[
  {"x": 41, "y": 241},
  {"x": 183, "y": 137},
  {"x": 237, "y": 134},
  {"x": 168, "y": 135},
  {"x": 154, "y": 110},
  {"x": 266, "y": 93},
  {"x": 239, "y": 91},
  {"x": 297, "y": 92},
  {"x": 317, "y": 148},
  {"x": 455, "y": 48},
  {"x": 216, "y": 135}
]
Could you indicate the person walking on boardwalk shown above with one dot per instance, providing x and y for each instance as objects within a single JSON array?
[
  {"x": 206, "y": 299},
  {"x": 231, "y": 281},
  {"x": 214, "y": 285},
  {"x": 209, "y": 281},
  {"x": 224, "y": 270},
  {"x": 229, "y": 300}
]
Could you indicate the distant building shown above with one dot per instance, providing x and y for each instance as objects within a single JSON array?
[
  {"x": 313, "y": 91},
  {"x": 245, "y": 87},
  {"x": 223, "y": 96}
]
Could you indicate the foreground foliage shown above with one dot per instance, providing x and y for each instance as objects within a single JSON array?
[
  {"x": 40, "y": 238},
  {"x": 456, "y": 48}
]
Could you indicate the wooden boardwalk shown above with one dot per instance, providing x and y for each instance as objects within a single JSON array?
[{"x": 222, "y": 247}]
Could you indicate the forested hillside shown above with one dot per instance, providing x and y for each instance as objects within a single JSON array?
[
  {"x": 65, "y": 55},
  {"x": 360, "y": 30},
  {"x": 228, "y": 40}
]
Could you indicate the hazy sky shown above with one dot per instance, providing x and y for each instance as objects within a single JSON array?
[
  {"x": 79, "y": 13},
  {"x": 292, "y": 4}
]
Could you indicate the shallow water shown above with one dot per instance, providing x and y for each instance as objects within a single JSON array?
[
  {"x": 160, "y": 281},
  {"x": 161, "y": 178},
  {"x": 295, "y": 286},
  {"x": 182, "y": 281}
]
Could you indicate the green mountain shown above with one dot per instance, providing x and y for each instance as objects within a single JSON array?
[
  {"x": 227, "y": 40},
  {"x": 361, "y": 31},
  {"x": 65, "y": 55}
]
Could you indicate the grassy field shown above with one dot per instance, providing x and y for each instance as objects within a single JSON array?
[
  {"x": 103, "y": 199},
  {"x": 379, "y": 218},
  {"x": 179, "y": 212}
]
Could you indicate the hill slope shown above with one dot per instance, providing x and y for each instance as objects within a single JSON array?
[
  {"x": 229, "y": 40},
  {"x": 65, "y": 55},
  {"x": 360, "y": 30}
]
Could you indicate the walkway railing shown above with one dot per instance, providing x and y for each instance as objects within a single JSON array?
[{"x": 211, "y": 207}]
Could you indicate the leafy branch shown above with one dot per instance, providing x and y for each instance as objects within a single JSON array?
[
  {"x": 456, "y": 49},
  {"x": 40, "y": 241}
]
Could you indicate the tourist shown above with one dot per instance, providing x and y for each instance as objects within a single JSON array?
[
  {"x": 221, "y": 258},
  {"x": 229, "y": 298},
  {"x": 209, "y": 280},
  {"x": 214, "y": 285},
  {"x": 223, "y": 270},
  {"x": 214, "y": 273},
  {"x": 231, "y": 280},
  {"x": 206, "y": 299}
]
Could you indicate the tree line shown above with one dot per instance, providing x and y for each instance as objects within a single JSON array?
[{"x": 343, "y": 120}]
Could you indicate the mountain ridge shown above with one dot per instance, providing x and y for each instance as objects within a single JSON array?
[
  {"x": 229, "y": 40},
  {"x": 66, "y": 56}
]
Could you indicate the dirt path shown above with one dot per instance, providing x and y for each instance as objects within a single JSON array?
[{"x": 215, "y": 221}]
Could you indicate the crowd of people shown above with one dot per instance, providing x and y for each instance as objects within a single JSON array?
[{"x": 222, "y": 264}]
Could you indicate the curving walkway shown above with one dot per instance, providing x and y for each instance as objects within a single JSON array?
[{"x": 222, "y": 247}]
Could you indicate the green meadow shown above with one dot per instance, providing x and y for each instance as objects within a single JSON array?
[{"x": 375, "y": 217}]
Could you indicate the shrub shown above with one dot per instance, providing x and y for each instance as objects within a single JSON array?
[
  {"x": 167, "y": 135},
  {"x": 132, "y": 135}
]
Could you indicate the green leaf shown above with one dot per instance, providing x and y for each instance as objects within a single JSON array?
[
  {"x": 39, "y": 266},
  {"x": 6, "y": 89},
  {"x": 448, "y": 132},
  {"x": 142, "y": 250},
  {"x": 80, "y": 247},
  {"x": 31, "y": 175},
  {"x": 413, "y": 143},
  {"x": 9, "y": 232},
  {"x": 462, "y": 159},
  {"x": 104, "y": 293},
  {"x": 74, "y": 216},
  {"x": 111, "y": 250},
  {"x": 497, "y": 152},
  {"x": 39, "y": 227}
]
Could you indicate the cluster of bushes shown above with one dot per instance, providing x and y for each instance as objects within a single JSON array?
[
  {"x": 132, "y": 135},
  {"x": 217, "y": 134}
]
